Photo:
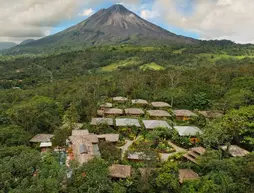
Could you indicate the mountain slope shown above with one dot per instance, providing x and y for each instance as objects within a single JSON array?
[
  {"x": 6, "y": 45},
  {"x": 111, "y": 26}
]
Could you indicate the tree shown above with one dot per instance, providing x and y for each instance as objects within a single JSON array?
[
  {"x": 39, "y": 114},
  {"x": 167, "y": 179}
]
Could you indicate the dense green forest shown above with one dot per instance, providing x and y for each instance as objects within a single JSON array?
[{"x": 39, "y": 93}]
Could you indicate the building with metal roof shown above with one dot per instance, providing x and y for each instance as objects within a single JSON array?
[
  {"x": 102, "y": 121},
  {"x": 153, "y": 124},
  {"x": 187, "y": 130},
  {"x": 125, "y": 122}
]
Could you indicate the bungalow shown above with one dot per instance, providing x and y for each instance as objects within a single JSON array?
[
  {"x": 112, "y": 138},
  {"x": 158, "y": 113},
  {"x": 120, "y": 99},
  {"x": 235, "y": 151},
  {"x": 134, "y": 112},
  {"x": 84, "y": 145},
  {"x": 187, "y": 175},
  {"x": 160, "y": 105},
  {"x": 187, "y": 130},
  {"x": 153, "y": 124},
  {"x": 113, "y": 111},
  {"x": 120, "y": 171},
  {"x": 39, "y": 138},
  {"x": 102, "y": 121},
  {"x": 44, "y": 140},
  {"x": 140, "y": 102},
  {"x": 211, "y": 114},
  {"x": 106, "y": 105},
  {"x": 184, "y": 114},
  {"x": 125, "y": 122}
]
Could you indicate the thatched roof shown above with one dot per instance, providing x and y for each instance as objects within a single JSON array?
[
  {"x": 109, "y": 137},
  {"x": 106, "y": 105},
  {"x": 184, "y": 113},
  {"x": 187, "y": 130},
  {"x": 153, "y": 124},
  {"x": 102, "y": 121},
  {"x": 41, "y": 138},
  {"x": 85, "y": 146},
  {"x": 235, "y": 151},
  {"x": 138, "y": 156},
  {"x": 158, "y": 113},
  {"x": 127, "y": 122},
  {"x": 139, "y": 102},
  {"x": 120, "y": 171},
  {"x": 134, "y": 111},
  {"x": 187, "y": 174},
  {"x": 160, "y": 104},
  {"x": 210, "y": 114},
  {"x": 120, "y": 99},
  {"x": 79, "y": 132},
  {"x": 113, "y": 111}
]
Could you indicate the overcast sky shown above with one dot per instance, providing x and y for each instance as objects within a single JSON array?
[{"x": 203, "y": 19}]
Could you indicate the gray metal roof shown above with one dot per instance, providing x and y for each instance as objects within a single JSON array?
[
  {"x": 139, "y": 102},
  {"x": 83, "y": 149},
  {"x": 134, "y": 111},
  {"x": 153, "y": 124},
  {"x": 102, "y": 121},
  {"x": 127, "y": 122},
  {"x": 160, "y": 104},
  {"x": 235, "y": 151},
  {"x": 41, "y": 138},
  {"x": 187, "y": 130}
]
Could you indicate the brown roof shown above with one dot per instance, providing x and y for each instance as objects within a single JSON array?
[
  {"x": 85, "y": 147},
  {"x": 79, "y": 132},
  {"x": 235, "y": 151},
  {"x": 134, "y": 111},
  {"x": 184, "y": 113},
  {"x": 187, "y": 174},
  {"x": 139, "y": 102},
  {"x": 210, "y": 114},
  {"x": 120, "y": 99},
  {"x": 109, "y": 137},
  {"x": 160, "y": 104},
  {"x": 113, "y": 111},
  {"x": 158, "y": 113},
  {"x": 106, "y": 105},
  {"x": 41, "y": 138},
  {"x": 120, "y": 171}
]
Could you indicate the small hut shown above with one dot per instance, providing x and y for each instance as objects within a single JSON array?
[
  {"x": 158, "y": 113},
  {"x": 112, "y": 138},
  {"x": 139, "y": 102},
  {"x": 187, "y": 130},
  {"x": 184, "y": 115},
  {"x": 120, "y": 171},
  {"x": 187, "y": 175},
  {"x": 160, "y": 105},
  {"x": 106, "y": 105},
  {"x": 153, "y": 124},
  {"x": 127, "y": 122},
  {"x": 39, "y": 138},
  {"x": 134, "y": 112},
  {"x": 102, "y": 121},
  {"x": 235, "y": 151},
  {"x": 138, "y": 156},
  {"x": 120, "y": 99},
  {"x": 211, "y": 114},
  {"x": 113, "y": 111}
]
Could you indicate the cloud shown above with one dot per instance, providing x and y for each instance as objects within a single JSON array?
[
  {"x": 87, "y": 12},
  {"x": 212, "y": 19},
  {"x": 147, "y": 14}
]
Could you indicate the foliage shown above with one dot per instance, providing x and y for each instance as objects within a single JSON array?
[
  {"x": 39, "y": 114},
  {"x": 109, "y": 152}
]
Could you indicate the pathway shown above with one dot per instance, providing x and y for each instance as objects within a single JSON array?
[
  {"x": 165, "y": 156},
  {"x": 126, "y": 146}
]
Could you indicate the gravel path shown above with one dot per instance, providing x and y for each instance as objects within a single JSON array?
[{"x": 126, "y": 146}]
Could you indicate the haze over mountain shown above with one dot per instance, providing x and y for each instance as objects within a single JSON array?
[
  {"x": 111, "y": 26},
  {"x": 6, "y": 45}
]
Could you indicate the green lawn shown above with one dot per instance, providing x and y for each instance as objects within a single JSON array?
[{"x": 151, "y": 66}]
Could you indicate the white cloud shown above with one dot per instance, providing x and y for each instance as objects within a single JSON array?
[
  {"x": 147, "y": 14},
  {"x": 213, "y": 19},
  {"x": 87, "y": 12}
]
